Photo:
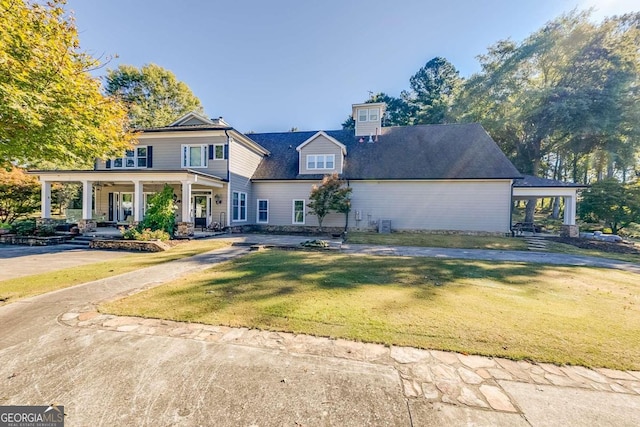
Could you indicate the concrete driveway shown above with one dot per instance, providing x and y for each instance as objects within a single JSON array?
[{"x": 112, "y": 371}]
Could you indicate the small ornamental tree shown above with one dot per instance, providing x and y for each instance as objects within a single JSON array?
[
  {"x": 614, "y": 203},
  {"x": 19, "y": 195},
  {"x": 331, "y": 195},
  {"x": 161, "y": 213}
]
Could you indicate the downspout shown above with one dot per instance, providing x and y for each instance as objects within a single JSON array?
[
  {"x": 346, "y": 223},
  {"x": 513, "y": 181},
  {"x": 229, "y": 201}
]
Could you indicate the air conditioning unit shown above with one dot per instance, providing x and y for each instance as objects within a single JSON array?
[{"x": 384, "y": 226}]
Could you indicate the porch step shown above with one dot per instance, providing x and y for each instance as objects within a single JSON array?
[
  {"x": 81, "y": 241},
  {"x": 536, "y": 244}
]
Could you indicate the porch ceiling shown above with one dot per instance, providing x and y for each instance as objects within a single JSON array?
[{"x": 133, "y": 175}]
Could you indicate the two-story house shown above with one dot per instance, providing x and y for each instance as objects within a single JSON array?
[{"x": 427, "y": 177}]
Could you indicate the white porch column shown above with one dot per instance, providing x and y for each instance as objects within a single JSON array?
[
  {"x": 45, "y": 199},
  {"x": 138, "y": 200},
  {"x": 186, "y": 201},
  {"x": 87, "y": 187},
  {"x": 569, "y": 210}
]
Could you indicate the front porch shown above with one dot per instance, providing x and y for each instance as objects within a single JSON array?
[{"x": 120, "y": 198}]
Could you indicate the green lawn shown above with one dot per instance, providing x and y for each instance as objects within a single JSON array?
[
  {"x": 475, "y": 242},
  {"x": 438, "y": 240},
  {"x": 22, "y": 287},
  {"x": 558, "y": 314}
]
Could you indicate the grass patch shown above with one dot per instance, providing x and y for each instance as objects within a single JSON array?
[
  {"x": 438, "y": 240},
  {"x": 574, "y": 250},
  {"x": 26, "y": 286},
  {"x": 558, "y": 314}
]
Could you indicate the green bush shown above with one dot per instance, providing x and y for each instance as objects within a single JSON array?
[
  {"x": 5, "y": 226},
  {"x": 25, "y": 227},
  {"x": 161, "y": 213},
  {"x": 45, "y": 230},
  {"x": 144, "y": 235}
]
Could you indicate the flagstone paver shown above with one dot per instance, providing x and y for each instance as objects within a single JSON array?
[{"x": 436, "y": 376}]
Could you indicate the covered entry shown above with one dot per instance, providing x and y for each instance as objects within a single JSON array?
[
  {"x": 117, "y": 196},
  {"x": 536, "y": 187}
]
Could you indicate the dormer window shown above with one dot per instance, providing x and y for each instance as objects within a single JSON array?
[
  {"x": 373, "y": 114},
  {"x": 363, "y": 115},
  {"x": 321, "y": 161}
]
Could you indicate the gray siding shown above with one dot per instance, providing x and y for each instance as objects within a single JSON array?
[
  {"x": 243, "y": 162},
  {"x": 167, "y": 153},
  {"x": 410, "y": 205},
  {"x": 320, "y": 145},
  {"x": 281, "y": 196},
  {"x": 434, "y": 205}
]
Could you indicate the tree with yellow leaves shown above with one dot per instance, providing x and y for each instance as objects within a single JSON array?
[{"x": 51, "y": 108}]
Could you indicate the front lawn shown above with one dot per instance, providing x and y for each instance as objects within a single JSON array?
[
  {"x": 438, "y": 240},
  {"x": 22, "y": 287},
  {"x": 558, "y": 314}
]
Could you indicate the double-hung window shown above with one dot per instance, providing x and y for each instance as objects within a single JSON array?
[
  {"x": 298, "y": 212},
  {"x": 263, "y": 211},
  {"x": 218, "y": 152},
  {"x": 368, "y": 114},
  {"x": 239, "y": 206},
  {"x": 194, "y": 156},
  {"x": 136, "y": 158},
  {"x": 321, "y": 161}
]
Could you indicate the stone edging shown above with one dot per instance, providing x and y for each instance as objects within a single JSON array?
[{"x": 436, "y": 376}]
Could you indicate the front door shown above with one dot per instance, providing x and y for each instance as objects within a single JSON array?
[
  {"x": 202, "y": 210},
  {"x": 125, "y": 207}
]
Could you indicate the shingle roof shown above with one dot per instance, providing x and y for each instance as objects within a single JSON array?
[
  {"x": 455, "y": 151},
  {"x": 535, "y": 181}
]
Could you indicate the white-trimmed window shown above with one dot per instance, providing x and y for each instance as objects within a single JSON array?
[
  {"x": 262, "y": 216},
  {"x": 239, "y": 206},
  {"x": 298, "y": 212},
  {"x": 218, "y": 152},
  {"x": 136, "y": 158},
  {"x": 368, "y": 114},
  {"x": 194, "y": 156},
  {"x": 321, "y": 161}
]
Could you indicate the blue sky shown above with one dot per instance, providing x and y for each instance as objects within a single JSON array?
[{"x": 269, "y": 65}]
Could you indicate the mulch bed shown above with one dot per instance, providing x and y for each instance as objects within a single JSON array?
[{"x": 620, "y": 248}]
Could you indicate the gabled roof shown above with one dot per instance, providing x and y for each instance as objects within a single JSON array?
[
  {"x": 330, "y": 138},
  {"x": 192, "y": 121},
  {"x": 192, "y": 115},
  {"x": 455, "y": 151}
]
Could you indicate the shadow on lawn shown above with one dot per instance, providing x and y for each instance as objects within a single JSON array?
[{"x": 276, "y": 273}]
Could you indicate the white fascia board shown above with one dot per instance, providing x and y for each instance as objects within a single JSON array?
[{"x": 331, "y": 139}]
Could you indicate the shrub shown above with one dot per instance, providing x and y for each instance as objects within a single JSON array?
[
  {"x": 144, "y": 235},
  {"x": 25, "y": 227},
  {"x": 161, "y": 213}
]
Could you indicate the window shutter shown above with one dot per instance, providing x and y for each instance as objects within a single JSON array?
[
  {"x": 110, "y": 206},
  {"x": 109, "y": 164},
  {"x": 149, "y": 157},
  {"x": 211, "y": 150},
  {"x": 226, "y": 152}
]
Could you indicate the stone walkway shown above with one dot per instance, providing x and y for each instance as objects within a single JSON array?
[{"x": 435, "y": 376}]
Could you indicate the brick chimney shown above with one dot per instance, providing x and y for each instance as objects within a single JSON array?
[{"x": 368, "y": 118}]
